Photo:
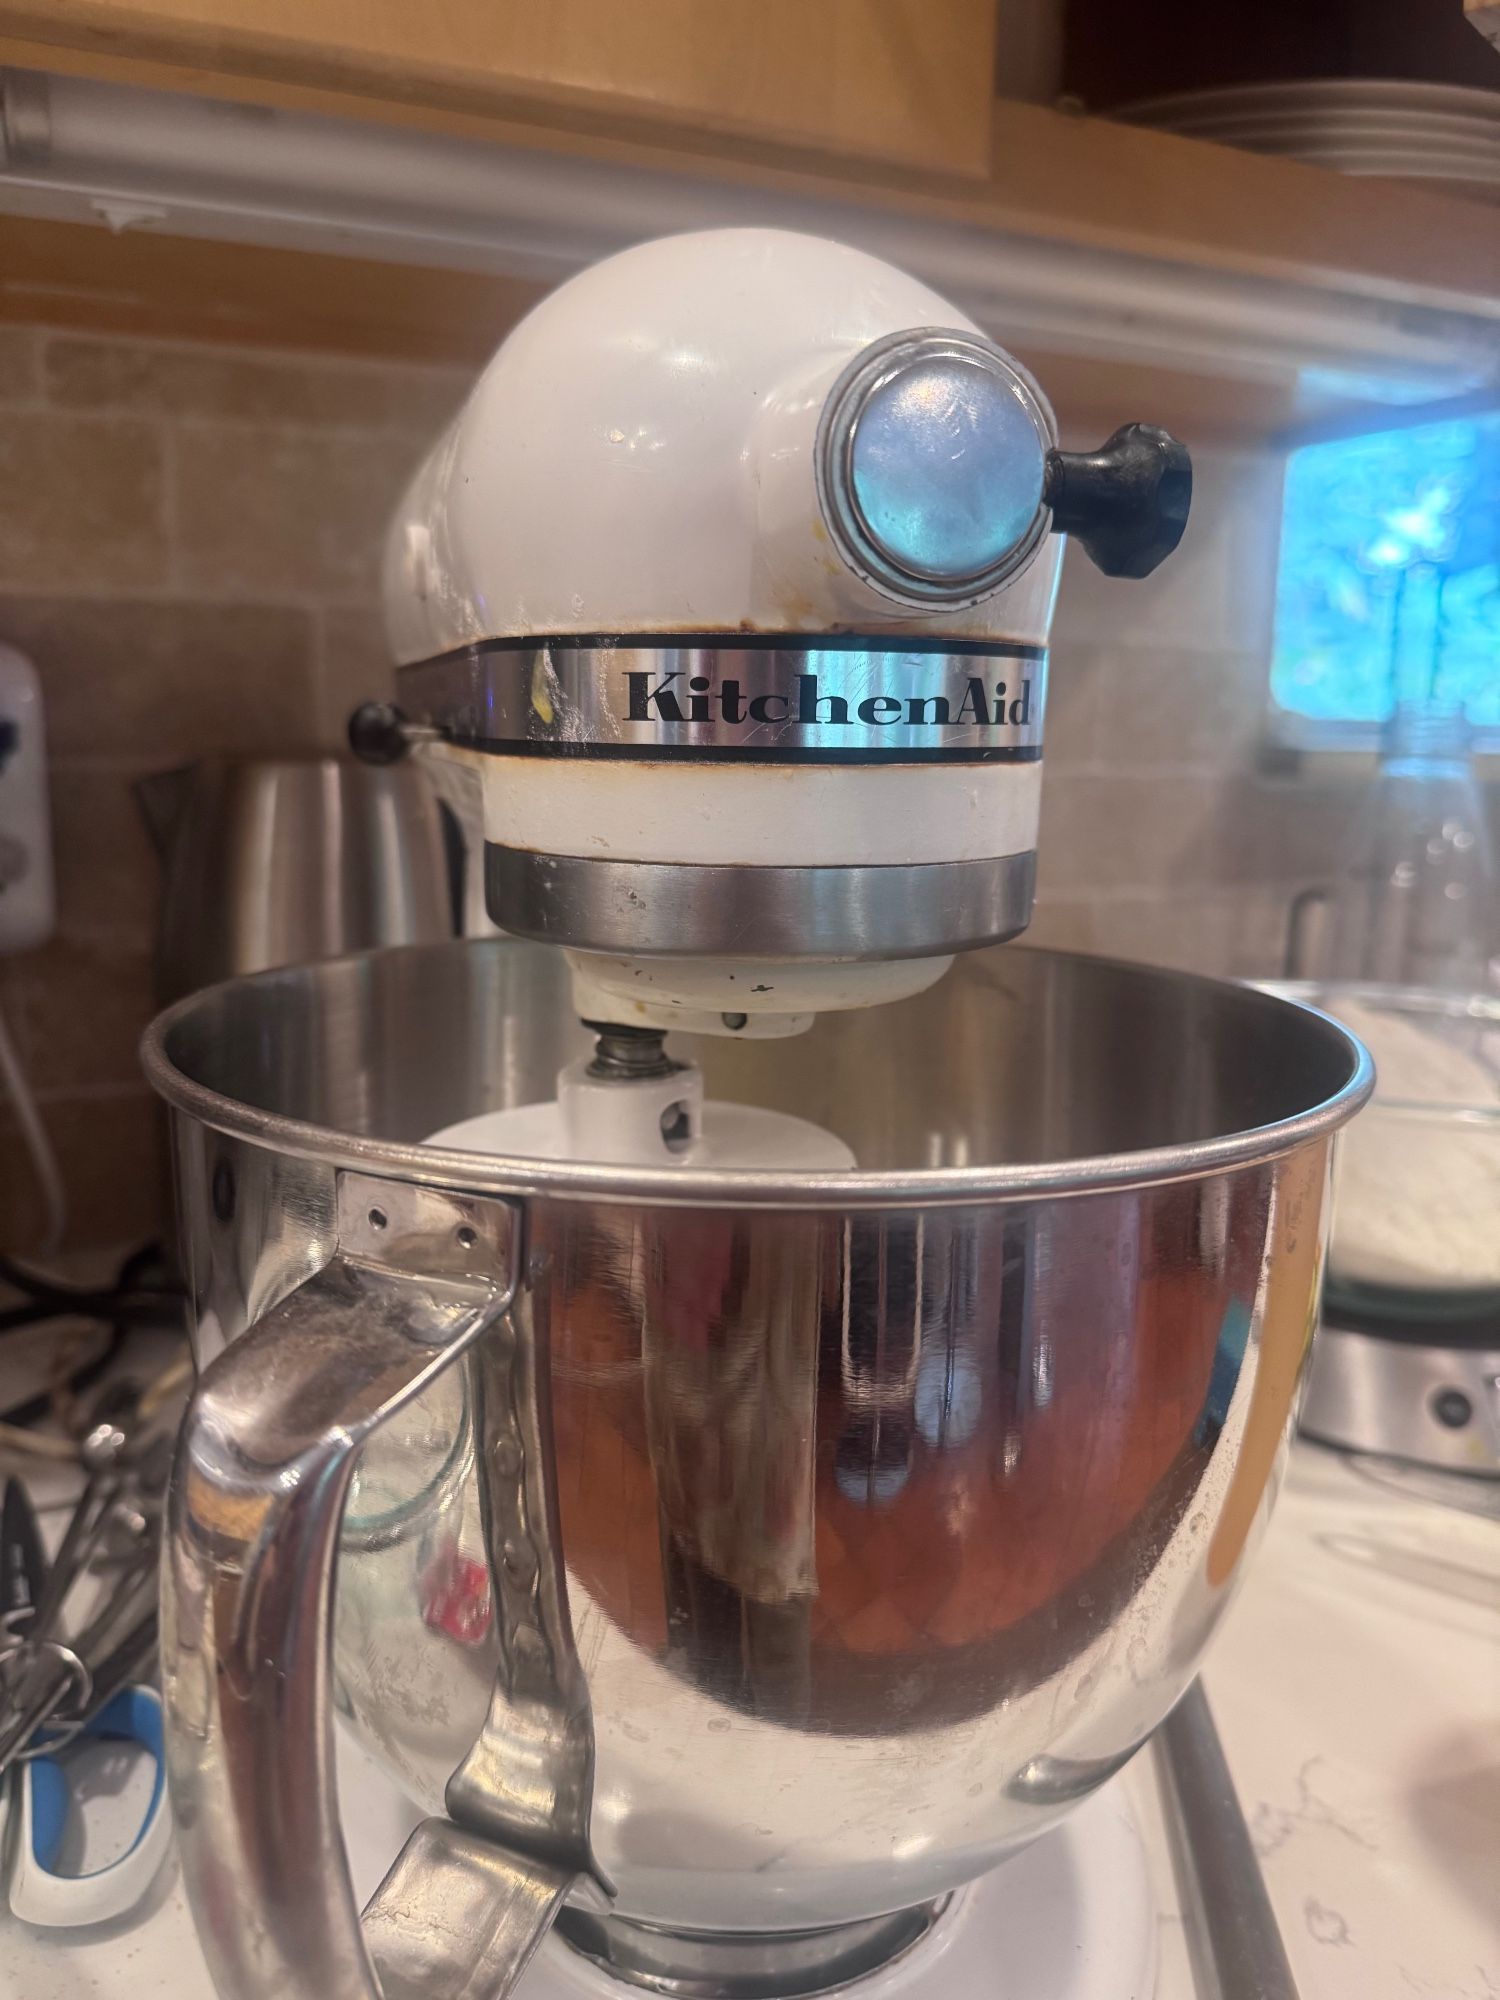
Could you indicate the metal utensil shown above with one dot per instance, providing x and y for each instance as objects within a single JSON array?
[
  {"x": 63, "y": 1686},
  {"x": 100, "y": 1455},
  {"x": 42, "y": 1671},
  {"x": 133, "y": 1659},
  {"x": 103, "y": 1692},
  {"x": 49, "y": 1673},
  {"x": 23, "y": 1565}
]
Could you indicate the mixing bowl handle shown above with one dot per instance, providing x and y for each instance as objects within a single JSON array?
[{"x": 257, "y": 1498}]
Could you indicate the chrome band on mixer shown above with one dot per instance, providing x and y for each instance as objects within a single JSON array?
[
  {"x": 766, "y": 700},
  {"x": 893, "y": 912}
]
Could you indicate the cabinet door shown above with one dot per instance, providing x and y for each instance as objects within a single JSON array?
[{"x": 890, "y": 80}]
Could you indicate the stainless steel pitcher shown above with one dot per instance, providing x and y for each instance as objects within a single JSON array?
[
  {"x": 733, "y": 1563},
  {"x": 273, "y": 860}
]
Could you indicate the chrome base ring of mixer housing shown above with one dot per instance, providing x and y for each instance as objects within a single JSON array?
[
  {"x": 916, "y": 911},
  {"x": 746, "y": 1965}
]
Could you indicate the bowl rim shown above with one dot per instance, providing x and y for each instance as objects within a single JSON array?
[{"x": 739, "y": 1187}]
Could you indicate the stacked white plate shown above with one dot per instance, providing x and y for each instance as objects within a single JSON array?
[{"x": 1432, "y": 132}]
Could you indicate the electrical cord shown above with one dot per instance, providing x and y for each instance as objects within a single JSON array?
[
  {"x": 154, "y": 1397},
  {"x": 126, "y": 1304},
  {"x": 15, "y": 1319},
  {"x": 45, "y": 1298},
  {"x": 38, "y": 1145},
  {"x": 20, "y": 1443},
  {"x": 123, "y": 1299}
]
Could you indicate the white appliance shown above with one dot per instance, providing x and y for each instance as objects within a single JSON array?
[{"x": 26, "y": 887}]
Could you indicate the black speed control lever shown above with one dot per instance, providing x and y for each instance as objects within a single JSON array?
[{"x": 1127, "y": 502}]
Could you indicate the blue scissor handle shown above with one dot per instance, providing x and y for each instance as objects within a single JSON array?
[{"x": 40, "y": 1896}]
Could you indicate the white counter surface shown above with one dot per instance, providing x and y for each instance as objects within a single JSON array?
[
  {"x": 1357, "y": 1689},
  {"x": 1356, "y": 1686}
]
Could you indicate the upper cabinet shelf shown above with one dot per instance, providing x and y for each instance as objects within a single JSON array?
[
  {"x": 907, "y": 81},
  {"x": 409, "y": 177}
]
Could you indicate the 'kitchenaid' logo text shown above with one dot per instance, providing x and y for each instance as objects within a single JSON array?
[{"x": 657, "y": 698}]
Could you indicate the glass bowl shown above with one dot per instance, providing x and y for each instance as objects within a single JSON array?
[{"x": 1416, "y": 1219}]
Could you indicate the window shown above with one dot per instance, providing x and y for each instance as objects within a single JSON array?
[{"x": 1389, "y": 585}]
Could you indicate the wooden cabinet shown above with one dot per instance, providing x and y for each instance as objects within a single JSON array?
[
  {"x": 887, "y": 80},
  {"x": 1229, "y": 293}
]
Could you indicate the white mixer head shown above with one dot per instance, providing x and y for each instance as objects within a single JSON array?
[{"x": 730, "y": 587}]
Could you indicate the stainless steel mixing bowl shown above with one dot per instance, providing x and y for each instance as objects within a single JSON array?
[{"x": 826, "y": 1535}]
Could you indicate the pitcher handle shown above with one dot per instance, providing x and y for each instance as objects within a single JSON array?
[{"x": 258, "y": 1490}]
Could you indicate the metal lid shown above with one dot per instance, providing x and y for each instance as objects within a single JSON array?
[{"x": 931, "y": 461}]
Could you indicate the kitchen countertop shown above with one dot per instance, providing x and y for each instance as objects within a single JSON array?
[
  {"x": 1356, "y": 1685},
  {"x": 1357, "y": 1689}
]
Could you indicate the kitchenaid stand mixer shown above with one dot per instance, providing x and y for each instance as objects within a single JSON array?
[
  {"x": 772, "y": 1473},
  {"x": 815, "y": 513}
]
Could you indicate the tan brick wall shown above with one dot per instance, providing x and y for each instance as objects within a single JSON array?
[{"x": 188, "y": 542}]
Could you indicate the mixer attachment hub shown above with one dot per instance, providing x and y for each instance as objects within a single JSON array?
[{"x": 626, "y": 1054}]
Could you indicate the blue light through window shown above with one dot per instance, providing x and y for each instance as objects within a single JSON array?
[{"x": 1390, "y": 575}]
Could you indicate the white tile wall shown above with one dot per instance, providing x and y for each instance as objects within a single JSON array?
[
  {"x": 187, "y": 544},
  {"x": 1160, "y": 837}
]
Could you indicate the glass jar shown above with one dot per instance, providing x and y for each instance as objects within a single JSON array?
[{"x": 1416, "y": 904}]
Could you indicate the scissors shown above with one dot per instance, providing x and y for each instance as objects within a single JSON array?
[{"x": 43, "y": 1799}]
